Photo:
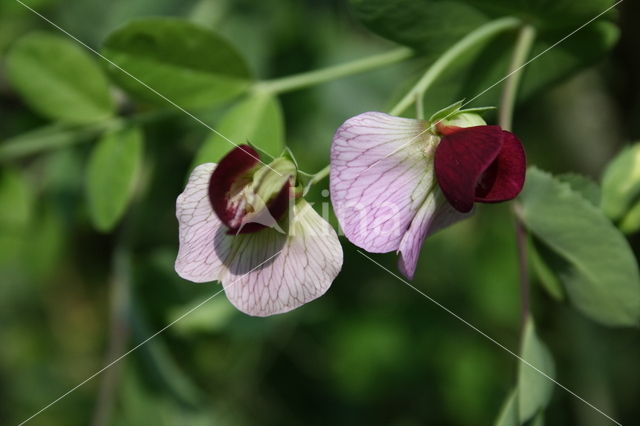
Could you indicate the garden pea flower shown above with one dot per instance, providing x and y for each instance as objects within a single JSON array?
[
  {"x": 394, "y": 180},
  {"x": 242, "y": 224}
]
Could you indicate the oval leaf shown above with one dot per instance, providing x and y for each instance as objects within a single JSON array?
[
  {"x": 599, "y": 273},
  {"x": 58, "y": 79},
  {"x": 432, "y": 25},
  {"x": 112, "y": 171},
  {"x": 188, "y": 64},
  {"x": 534, "y": 389},
  {"x": 582, "y": 185},
  {"x": 421, "y": 24},
  {"x": 621, "y": 183},
  {"x": 257, "y": 120}
]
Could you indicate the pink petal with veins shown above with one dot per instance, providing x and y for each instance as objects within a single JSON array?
[
  {"x": 295, "y": 268},
  {"x": 381, "y": 173},
  {"x": 265, "y": 272},
  {"x": 197, "y": 260},
  {"x": 435, "y": 214},
  {"x": 414, "y": 237}
]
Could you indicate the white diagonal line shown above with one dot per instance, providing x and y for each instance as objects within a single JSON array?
[
  {"x": 494, "y": 341},
  {"x": 572, "y": 33},
  {"x": 97, "y": 373},
  {"x": 100, "y": 55}
]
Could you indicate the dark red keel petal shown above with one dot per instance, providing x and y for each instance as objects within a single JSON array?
[
  {"x": 461, "y": 159},
  {"x": 504, "y": 179},
  {"x": 232, "y": 168}
]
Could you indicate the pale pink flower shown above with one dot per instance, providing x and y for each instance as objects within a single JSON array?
[
  {"x": 394, "y": 181},
  {"x": 266, "y": 266}
]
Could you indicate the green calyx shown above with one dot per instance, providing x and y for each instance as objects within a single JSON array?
[
  {"x": 268, "y": 180},
  {"x": 464, "y": 119},
  {"x": 455, "y": 116}
]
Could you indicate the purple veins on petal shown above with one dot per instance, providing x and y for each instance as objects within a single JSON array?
[
  {"x": 265, "y": 272},
  {"x": 380, "y": 176}
]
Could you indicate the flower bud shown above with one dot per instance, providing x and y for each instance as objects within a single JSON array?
[{"x": 458, "y": 121}]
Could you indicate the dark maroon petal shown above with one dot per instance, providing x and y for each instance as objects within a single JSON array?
[
  {"x": 460, "y": 160},
  {"x": 504, "y": 179},
  {"x": 233, "y": 167}
]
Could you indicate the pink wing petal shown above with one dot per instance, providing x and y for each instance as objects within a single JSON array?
[
  {"x": 271, "y": 273},
  {"x": 412, "y": 241},
  {"x": 446, "y": 215},
  {"x": 197, "y": 259},
  {"x": 381, "y": 173},
  {"x": 435, "y": 214}
]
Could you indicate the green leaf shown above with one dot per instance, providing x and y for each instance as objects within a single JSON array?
[
  {"x": 188, "y": 64},
  {"x": 598, "y": 270},
  {"x": 534, "y": 389},
  {"x": 59, "y": 79},
  {"x": 546, "y": 13},
  {"x": 509, "y": 412},
  {"x": 257, "y": 119},
  {"x": 433, "y": 25},
  {"x": 583, "y": 185},
  {"x": 112, "y": 171},
  {"x": 478, "y": 74},
  {"x": 446, "y": 111},
  {"x": 621, "y": 183},
  {"x": 422, "y": 24}
]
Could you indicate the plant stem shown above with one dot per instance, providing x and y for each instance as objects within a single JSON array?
[
  {"x": 317, "y": 178},
  {"x": 523, "y": 266},
  {"x": 526, "y": 37},
  {"x": 312, "y": 78},
  {"x": 118, "y": 335},
  {"x": 320, "y": 175},
  {"x": 443, "y": 62},
  {"x": 57, "y": 136}
]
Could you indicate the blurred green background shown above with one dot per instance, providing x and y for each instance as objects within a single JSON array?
[{"x": 371, "y": 351}]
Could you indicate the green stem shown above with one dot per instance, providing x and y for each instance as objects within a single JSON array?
[
  {"x": 521, "y": 52},
  {"x": 312, "y": 78},
  {"x": 317, "y": 178},
  {"x": 526, "y": 37},
  {"x": 320, "y": 175},
  {"x": 58, "y": 136},
  {"x": 443, "y": 62}
]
